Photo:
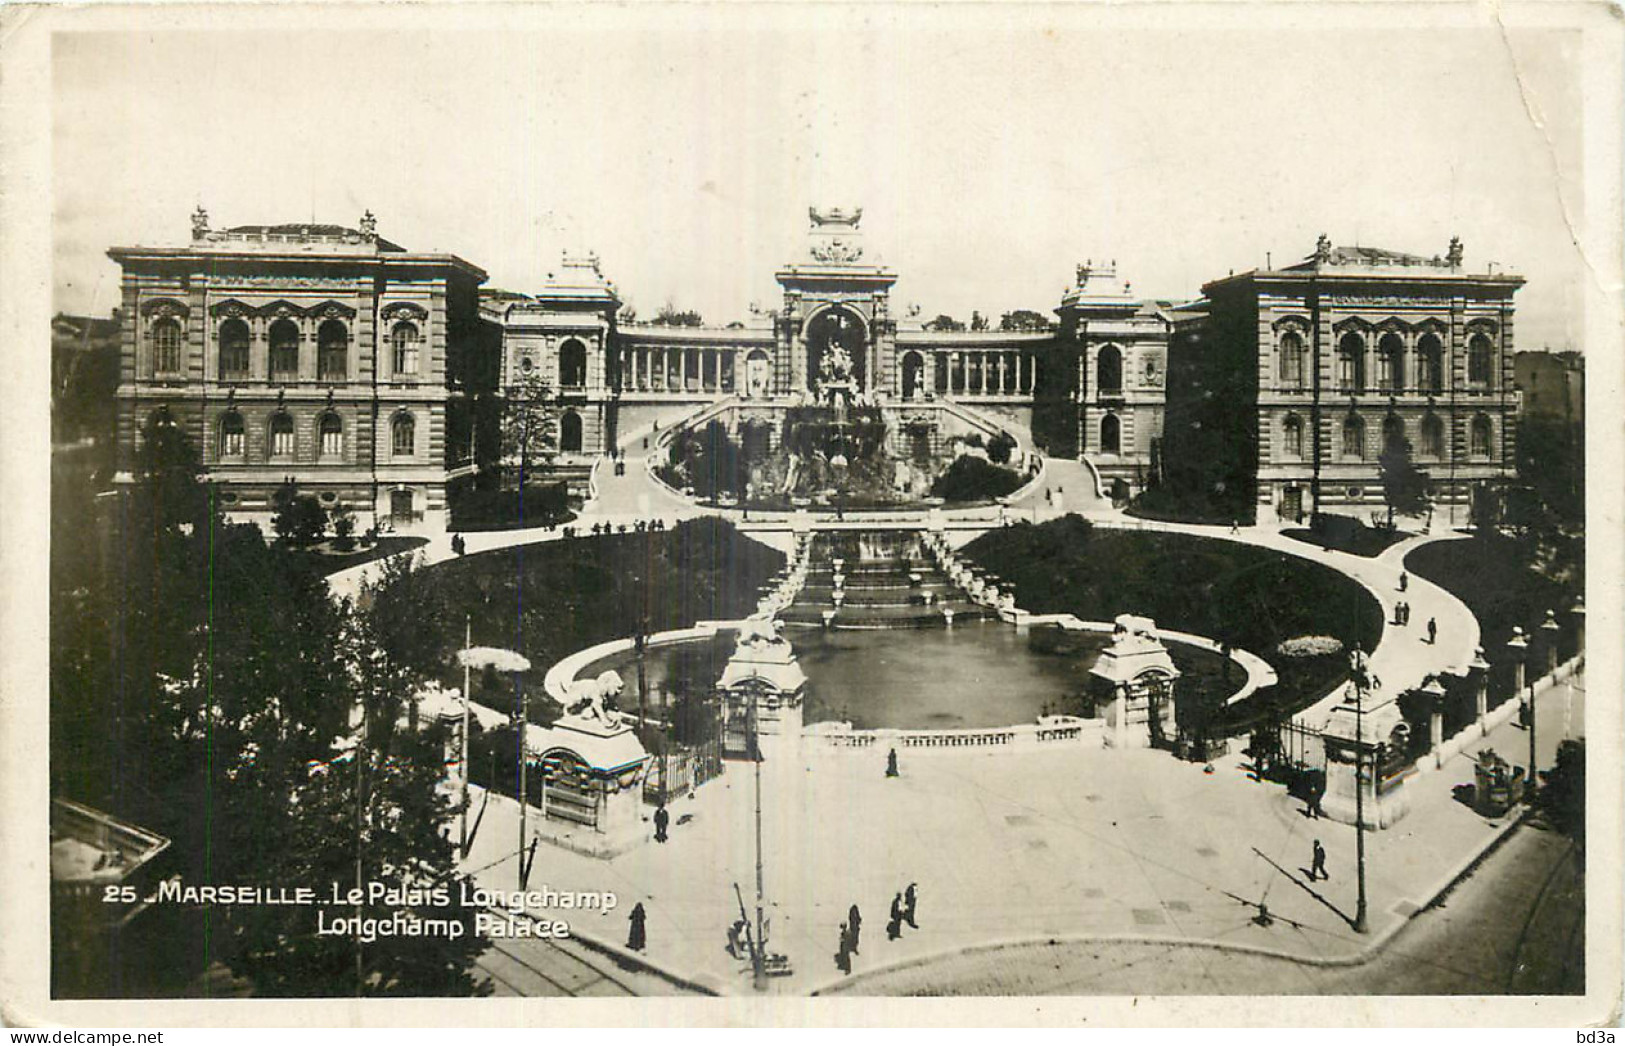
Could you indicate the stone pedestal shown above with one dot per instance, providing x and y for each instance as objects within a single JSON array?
[
  {"x": 590, "y": 774},
  {"x": 764, "y": 679},
  {"x": 1367, "y": 735},
  {"x": 1137, "y": 676}
]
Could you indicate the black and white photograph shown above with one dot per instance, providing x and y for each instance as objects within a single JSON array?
[{"x": 771, "y": 508}]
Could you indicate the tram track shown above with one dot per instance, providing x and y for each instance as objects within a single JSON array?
[{"x": 573, "y": 977}]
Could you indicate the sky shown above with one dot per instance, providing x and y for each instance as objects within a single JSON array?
[{"x": 992, "y": 150}]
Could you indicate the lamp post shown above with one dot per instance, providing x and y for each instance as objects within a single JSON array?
[
  {"x": 759, "y": 957},
  {"x": 468, "y": 641},
  {"x": 1578, "y": 613},
  {"x": 1357, "y": 664}
]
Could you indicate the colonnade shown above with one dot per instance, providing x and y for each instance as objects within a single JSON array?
[{"x": 677, "y": 369}]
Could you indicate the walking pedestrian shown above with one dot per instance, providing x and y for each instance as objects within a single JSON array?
[
  {"x": 662, "y": 818},
  {"x": 891, "y": 763},
  {"x": 1404, "y": 580},
  {"x": 1235, "y": 526},
  {"x": 854, "y": 919},
  {"x": 894, "y": 928},
  {"x": 843, "y": 954},
  {"x": 635, "y": 939},
  {"x": 911, "y": 897},
  {"x": 1317, "y": 870},
  {"x": 1433, "y": 631}
]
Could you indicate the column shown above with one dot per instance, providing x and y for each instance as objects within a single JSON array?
[
  {"x": 682, "y": 370},
  {"x": 1120, "y": 716}
]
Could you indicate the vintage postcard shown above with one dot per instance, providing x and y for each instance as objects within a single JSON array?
[{"x": 1078, "y": 512}]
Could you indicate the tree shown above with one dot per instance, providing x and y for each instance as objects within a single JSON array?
[
  {"x": 369, "y": 814},
  {"x": 944, "y": 322},
  {"x": 1024, "y": 320},
  {"x": 1405, "y": 488},
  {"x": 529, "y": 426},
  {"x": 1563, "y": 798},
  {"x": 670, "y": 316}
]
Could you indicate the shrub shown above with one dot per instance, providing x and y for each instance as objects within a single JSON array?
[{"x": 975, "y": 479}]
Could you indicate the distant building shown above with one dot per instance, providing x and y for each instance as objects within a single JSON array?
[
  {"x": 328, "y": 355},
  {"x": 1552, "y": 385},
  {"x": 1290, "y": 382}
]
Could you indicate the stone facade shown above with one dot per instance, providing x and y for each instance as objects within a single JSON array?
[
  {"x": 1044, "y": 383},
  {"x": 323, "y": 354},
  {"x": 1322, "y": 364}
]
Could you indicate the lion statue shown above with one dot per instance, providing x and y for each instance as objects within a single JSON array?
[
  {"x": 585, "y": 697},
  {"x": 759, "y": 632}
]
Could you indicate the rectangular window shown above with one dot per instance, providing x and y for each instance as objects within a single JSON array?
[{"x": 282, "y": 442}]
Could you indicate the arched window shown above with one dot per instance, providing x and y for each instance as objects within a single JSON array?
[
  {"x": 1292, "y": 437},
  {"x": 403, "y": 435},
  {"x": 332, "y": 351},
  {"x": 1109, "y": 371},
  {"x": 233, "y": 350},
  {"x": 1351, "y": 363},
  {"x": 1111, "y": 435},
  {"x": 284, "y": 339},
  {"x": 231, "y": 435},
  {"x": 570, "y": 432},
  {"x": 1391, "y": 363},
  {"x": 1430, "y": 364},
  {"x": 1393, "y": 432},
  {"x": 1292, "y": 360},
  {"x": 166, "y": 346},
  {"x": 1480, "y": 360},
  {"x": 1482, "y": 437},
  {"x": 403, "y": 341},
  {"x": 1354, "y": 438},
  {"x": 573, "y": 364},
  {"x": 332, "y": 436},
  {"x": 1432, "y": 437},
  {"x": 281, "y": 435}
]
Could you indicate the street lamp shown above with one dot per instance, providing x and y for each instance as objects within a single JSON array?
[
  {"x": 1551, "y": 628},
  {"x": 471, "y": 657},
  {"x": 1357, "y": 671}
]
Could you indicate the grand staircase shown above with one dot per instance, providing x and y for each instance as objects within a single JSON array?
[{"x": 877, "y": 579}]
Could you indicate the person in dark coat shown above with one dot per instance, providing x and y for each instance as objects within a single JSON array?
[
  {"x": 843, "y": 954},
  {"x": 894, "y": 928},
  {"x": 1404, "y": 580},
  {"x": 911, "y": 897},
  {"x": 1433, "y": 631},
  {"x": 662, "y": 818},
  {"x": 635, "y": 939},
  {"x": 854, "y": 922},
  {"x": 891, "y": 763},
  {"x": 1318, "y": 869}
]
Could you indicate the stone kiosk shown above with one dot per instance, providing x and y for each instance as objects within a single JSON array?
[
  {"x": 1366, "y": 731},
  {"x": 763, "y": 672},
  {"x": 592, "y": 767},
  {"x": 1137, "y": 676}
]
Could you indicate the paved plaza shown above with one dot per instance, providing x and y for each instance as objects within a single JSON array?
[{"x": 1062, "y": 844}]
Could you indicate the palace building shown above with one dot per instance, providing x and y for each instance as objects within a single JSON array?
[
  {"x": 1291, "y": 383},
  {"x": 373, "y": 376},
  {"x": 317, "y": 353}
]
